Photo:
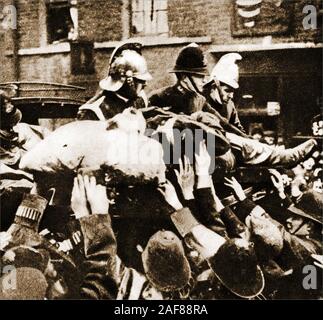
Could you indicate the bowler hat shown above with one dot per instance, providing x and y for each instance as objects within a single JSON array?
[
  {"x": 165, "y": 263},
  {"x": 191, "y": 60},
  {"x": 25, "y": 278},
  {"x": 310, "y": 206},
  {"x": 23, "y": 284},
  {"x": 266, "y": 235},
  {"x": 235, "y": 264}
]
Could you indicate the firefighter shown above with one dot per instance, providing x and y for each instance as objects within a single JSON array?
[
  {"x": 186, "y": 97},
  {"x": 122, "y": 88},
  {"x": 219, "y": 90}
]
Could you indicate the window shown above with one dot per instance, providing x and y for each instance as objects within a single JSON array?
[
  {"x": 149, "y": 17},
  {"x": 62, "y": 20}
]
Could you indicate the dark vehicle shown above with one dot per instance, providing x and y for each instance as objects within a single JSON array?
[{"x": 43, "y": 100}]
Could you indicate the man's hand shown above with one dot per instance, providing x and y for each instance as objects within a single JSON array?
[
  {"x": 96, "y": 196},
  {"x": 202, "y": 167},
  {"x": 202, "y": 161},
  {"x": 236, "y": 188},
  {"x": 4, "y": 240},
  {"x": 278, "y": 182},
  {"x": 169, "y": 193},
  {"x": 87, "y": 191},
  {"x": 78, "y": 200},
  {"x": 186, "y": 178}
]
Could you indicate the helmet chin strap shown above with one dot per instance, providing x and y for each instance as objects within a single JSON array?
[
  {"x": 219, "y": 95},
  {"x": 142, "y": 94},
  {"x": 188, "y": 83},
  {"x": 194, "y": 84}
]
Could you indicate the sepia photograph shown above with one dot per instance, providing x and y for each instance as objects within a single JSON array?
[{"x": 162, "y": 150}]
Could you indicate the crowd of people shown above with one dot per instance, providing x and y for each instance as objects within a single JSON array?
[{"x": 78, "y": 223}]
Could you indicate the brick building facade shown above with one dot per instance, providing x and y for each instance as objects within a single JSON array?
[{"x": 284, "y": 61}]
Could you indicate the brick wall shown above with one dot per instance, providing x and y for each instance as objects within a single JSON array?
[
  {"x": 28, "y": 23},
  {"x": 53, "y": 68},
  {"x": 100, "y": 20},
  {"x": 188, "y": 18},
  {"x": 6, "y": 66},
  {"x": 7, "y": 71},
  {"x": 218, "y": 17},
  {"x": 214, "y": 18}
]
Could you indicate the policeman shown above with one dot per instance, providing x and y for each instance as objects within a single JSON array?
[
  {"x": 122, "y": 88},
  {"x": 186, "y": 95}
]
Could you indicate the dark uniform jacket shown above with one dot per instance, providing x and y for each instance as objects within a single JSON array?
[
  {"x": 227, "y": 111},
  {"x": 180, "y": 100},
  {"x": 111, "y": 105}
]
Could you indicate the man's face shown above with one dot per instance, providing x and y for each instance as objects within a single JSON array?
[
  {"x": 226, "y": 92},
  {"x": 132, "y": 88},
  {"x": 269, "y": 140},
  {"x": 309, "y": 164},
  {"x": 317, "y": 128},
  {"x": 317, "y": 186},
  {"x": 298, "y": 225},
  {"x": 199, "y": 81},
  {"x": 8, "y": 106},
  {"x": 257, "y": 136}
]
